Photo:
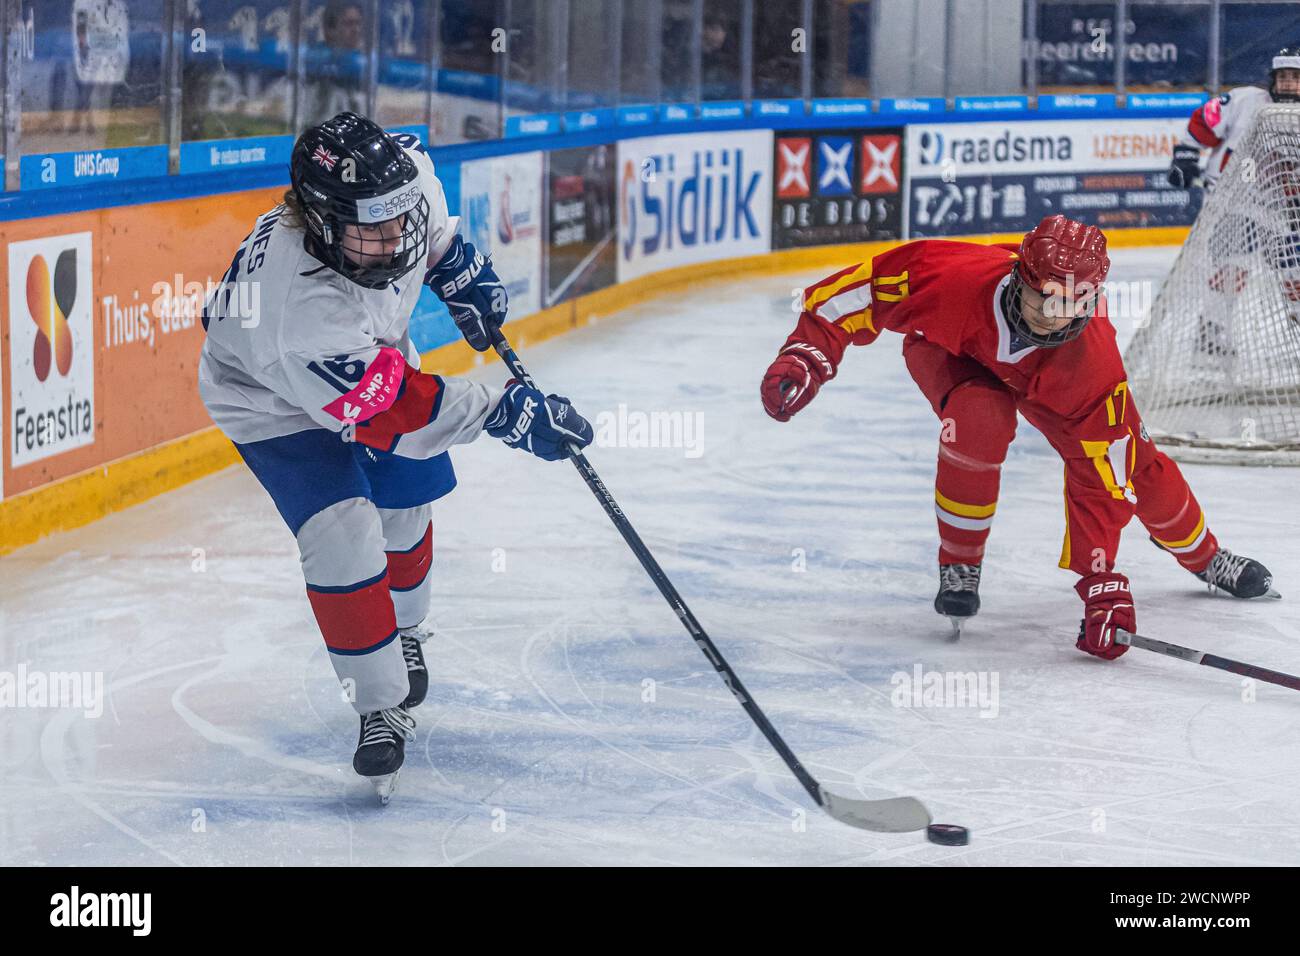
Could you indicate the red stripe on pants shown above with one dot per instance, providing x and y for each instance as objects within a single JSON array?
[
  {"x": 408, "y": 569},
  {"x": 354, "y": 620}
]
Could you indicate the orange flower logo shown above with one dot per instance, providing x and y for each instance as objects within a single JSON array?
[{"x": 49, "y": 303}]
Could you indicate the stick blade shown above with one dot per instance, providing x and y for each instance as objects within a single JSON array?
[{"x": 895, "y": 815}]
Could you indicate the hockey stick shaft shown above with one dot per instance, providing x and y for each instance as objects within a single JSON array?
[
  {"x": 669, "y": 592},
  {"x": 1210, "y": 660},
  {"x": 892, "y": 815}
]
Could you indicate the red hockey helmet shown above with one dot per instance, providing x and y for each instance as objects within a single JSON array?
[{"x": 1066, "y": 261}]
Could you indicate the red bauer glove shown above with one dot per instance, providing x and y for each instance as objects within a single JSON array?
[
  {"x": 793, "y": 379},
  {"x": 1107, "y": 607}
]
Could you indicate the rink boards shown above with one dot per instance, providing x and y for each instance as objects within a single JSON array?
[{"x": 102, "y": 322}]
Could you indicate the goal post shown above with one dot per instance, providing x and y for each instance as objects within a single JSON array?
[{"x": 1215, "y": 368}]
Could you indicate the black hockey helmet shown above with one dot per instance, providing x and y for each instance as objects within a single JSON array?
[
  {"x": 347, "y": 172},
  {"x": 1287, "y": 58}
]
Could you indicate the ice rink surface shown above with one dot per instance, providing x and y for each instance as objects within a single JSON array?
[{"x": 570, "y": 718}]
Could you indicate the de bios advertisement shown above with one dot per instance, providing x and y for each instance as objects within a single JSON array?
[
  {"x": 580, "y": 232},
  {"x": 501, "y": 213},
  {"x": 693, "y": 198},
  {"x": 1005, "y": 177},
  {"x": 837, "y": 187}
]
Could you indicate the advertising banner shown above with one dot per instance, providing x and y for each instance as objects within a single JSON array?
[
  {"x": 1167, "y": 44},
  {"x": 693, "y": 198},
  {"x": 103, "y": 329},
  {"x": 51, "y": 346},
  {"x": 501, "y": 209},
  {"x": 1004, "y": 177},
  {"x": 835, "y": 187},
  {"x": 580, "y": 234}
]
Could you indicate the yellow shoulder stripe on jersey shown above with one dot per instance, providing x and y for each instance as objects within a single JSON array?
[
  {"x": 860, "y": 274},
  {"x": 1200, "y": 526},
  {"x": 860, "y": 319},
  {"x": 966, "y": 511},
  {"x": 899, "y": 281}
]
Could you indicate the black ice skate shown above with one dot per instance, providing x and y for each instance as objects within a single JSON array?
[
  {"x": 959, "y": 593},
  {"x": 381, "y": 748},
  {"x": 416, "y": 672},
  {"x": 1240, "y": 576}
]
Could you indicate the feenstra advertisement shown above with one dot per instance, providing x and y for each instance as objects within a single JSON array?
[
  {"x": 51, "y": 346},
  {"x": 103, "y": 332},
  {"x": 693, "y": 198}
]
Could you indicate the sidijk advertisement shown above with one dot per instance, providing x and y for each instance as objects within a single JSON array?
[
  {"x": 842, "y": 186},
  {"x": 1005, "y": 177},
  {"x": 580, "y": 257},
  {"x": 692, "y": 198},
  {"x": 501, "y": 212}
]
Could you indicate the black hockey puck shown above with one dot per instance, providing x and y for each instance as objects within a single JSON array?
[{"x": 947, "y": 834}]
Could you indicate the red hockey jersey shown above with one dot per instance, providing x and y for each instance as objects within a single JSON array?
[{"x": 1076, "y": 394}]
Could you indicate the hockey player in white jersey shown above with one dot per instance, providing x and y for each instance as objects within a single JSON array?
[
  {"x": 320, "y": 389},
  {"x": 1220, "y": 123}
]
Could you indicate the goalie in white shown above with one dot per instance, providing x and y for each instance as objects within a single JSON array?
[
  {"x": 1221, "y": 122},
  {"x": 1270, "y": 223}
]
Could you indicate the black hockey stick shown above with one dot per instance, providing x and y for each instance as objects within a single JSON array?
[
  {"x": 1209, "y": 660},
  {"x": 894, "y": 815}
]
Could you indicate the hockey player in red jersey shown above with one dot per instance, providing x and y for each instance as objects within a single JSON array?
[{"x": 992, "y": 330}]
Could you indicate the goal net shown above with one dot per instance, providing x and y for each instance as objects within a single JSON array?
[{"x": 1216, "y": 368}]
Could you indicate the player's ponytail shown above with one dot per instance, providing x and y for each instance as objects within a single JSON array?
[{"x": 293, "y": 216}]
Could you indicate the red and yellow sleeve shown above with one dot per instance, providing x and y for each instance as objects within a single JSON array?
[{"x": 849, "y": 308}]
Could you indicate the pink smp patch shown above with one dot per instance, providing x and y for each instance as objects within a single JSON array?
[
  {"x": 376, "y": 391},
  {"x": 1213, "y": 112}
]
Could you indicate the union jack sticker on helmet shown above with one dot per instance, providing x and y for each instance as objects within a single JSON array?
[{"x": 324, "y": 157}]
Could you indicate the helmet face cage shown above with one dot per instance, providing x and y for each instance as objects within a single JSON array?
[
  {"x": 1287, "y": 58},
  {"x": 364, "y": 209},
  {"x": 365, "y": 252},
  {"x": 1012, "y": 306}
]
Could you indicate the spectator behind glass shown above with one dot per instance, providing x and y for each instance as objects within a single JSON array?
[
  {"x": 719, "y": 61},
  {"x": 336, "y": 75}
]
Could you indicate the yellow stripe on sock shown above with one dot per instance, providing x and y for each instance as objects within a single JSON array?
[
  {"x": 966, "y": 511},
  {"x": 1200, "y": 525}
]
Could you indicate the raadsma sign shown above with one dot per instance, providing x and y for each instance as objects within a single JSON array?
[
  {"x": 693, "y": 198},
  {"x": 969, "y": 149},
  {"x": 967, "y": 178}
]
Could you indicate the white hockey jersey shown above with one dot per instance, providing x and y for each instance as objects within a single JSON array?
[
  {"x": 1220, "y": 123},
  {"x": 293, "y": 345}
]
